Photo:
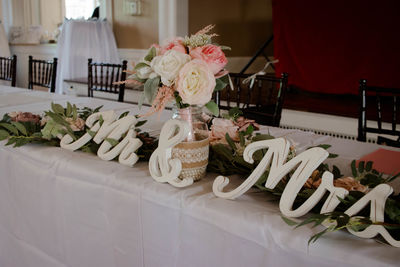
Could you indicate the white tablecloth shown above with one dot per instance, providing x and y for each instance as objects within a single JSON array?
[{"x": 62, "y": 208}]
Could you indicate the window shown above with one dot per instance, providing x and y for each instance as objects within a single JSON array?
[{"x": 78, "y": 9}]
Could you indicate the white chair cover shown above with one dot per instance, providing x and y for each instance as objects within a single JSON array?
[
  {"x": 4, "y": 48},
  {"x": 80, "y": 40}
]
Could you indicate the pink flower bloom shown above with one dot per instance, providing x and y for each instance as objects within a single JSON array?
[
  {"x": 173, "y": 44},
  {"x": 195, "y": 83},
  {"x": 24, "y": 117},
  {"x": 212, "y": 55},
  {"x": 243, "y": 123},
  {"x": 220, "y": 127}
]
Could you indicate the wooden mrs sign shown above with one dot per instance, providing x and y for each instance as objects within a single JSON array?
[
  {"x": 305, "y": 163},
  {"x": 111, "y": 128}
]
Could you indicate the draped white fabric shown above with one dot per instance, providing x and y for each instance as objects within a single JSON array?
[
  {"x": 80, "y": 40},
  {"x": 4, "y": 47},
  {"x": 62, "y": 208}
]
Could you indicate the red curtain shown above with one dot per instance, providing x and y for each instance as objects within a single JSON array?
[{"x": 328, "y": 46}]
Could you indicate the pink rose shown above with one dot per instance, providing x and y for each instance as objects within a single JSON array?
[
  {"x": 173, "y": 44},
  {"x": 212, "y": 55},
  {"x": 220, "y": 127},
  {"x": 76, "y": 125},
  {"x": 24, "y": 117},
  {"x": 243, "y": 123},
  {"x": 195, "y": 83}
]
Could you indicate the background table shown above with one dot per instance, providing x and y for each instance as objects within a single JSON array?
[{"x": 62, "y": 208}]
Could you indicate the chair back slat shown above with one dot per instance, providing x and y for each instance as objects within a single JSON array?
[
  {"x": 42, "y": 73},
  {"x": 102, "y": 77},
  {"x": 379, "y": 111},
  {"x": 394, "y": 113},
  {"x": 8, "y": 69},
  {"x": 261, "y": 100},
  {"x": 384, "y": 102}
]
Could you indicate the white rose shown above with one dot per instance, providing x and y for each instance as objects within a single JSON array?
[
  {"x": 195, "y": 83},
  {"x": 145, "y": 72},
  {"x": 169, "y": 65}
]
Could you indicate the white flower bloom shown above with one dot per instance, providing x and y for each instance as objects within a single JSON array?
[
  {"x": 144, "y": 73},
  {"x": 169, "y": 65}
]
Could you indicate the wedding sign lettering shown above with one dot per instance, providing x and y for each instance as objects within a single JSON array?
[
  {"x": 162, "y": 167},
  {"x": 303, "y": 165},
  {"x": 110, "y": 129}
]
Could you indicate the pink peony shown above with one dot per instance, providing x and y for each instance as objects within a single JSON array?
[
  {"x": 212, "y": 55},
  {"x": 220, "y": 127},
  {"x": 173, "y": 44},
  {"x": 195, "y": 83}
]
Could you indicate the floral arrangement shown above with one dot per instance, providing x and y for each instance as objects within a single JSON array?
[
  {"x": 186, "y": 69},
  {"x": 21, "y": 128}
]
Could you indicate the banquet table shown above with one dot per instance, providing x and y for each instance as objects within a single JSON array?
[{"x": 63, "y": 208}]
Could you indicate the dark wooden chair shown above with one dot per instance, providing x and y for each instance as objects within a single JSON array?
[
  {"x": 102, "y": 77},
  {"x": 261, "y": 101},
  {"x": 8, "y": 69},
  {"x": 42, "y": 73},
  {"x": 380, "y": 104}
]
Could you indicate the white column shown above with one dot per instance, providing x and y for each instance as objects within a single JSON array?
[
  {"x": 7, "y": 15},
  {"x": 173, "y": 18},
  {"x": 106, "y": 11}
]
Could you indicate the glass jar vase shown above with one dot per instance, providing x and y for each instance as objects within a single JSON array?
[{"x": 194, "y": 150}]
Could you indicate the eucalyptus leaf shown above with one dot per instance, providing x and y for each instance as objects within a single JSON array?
[
  {"x": 97, "y": 109},
  {"x": 75, "y": 112},
  {"x": 9, "y": 127},
  {"x": 20, "y": 127},
  {"x": 353, "y": 168},
  {"x": 242, "y": 140},
  {"x": 288, "y": 221},
  {"x": 141, "y": 65},
  {"x": 230, "y": 142},
  {"x": 57, "y": 108},
  {"x": 101, "y": 120},
  {"x": 316, "y": 236},
  {"x": 140, "y": 123},
  {"x": 123, "y": 115},
  {"x": 150, "y": 88},
  {"x": 11, "y": 140},
  {"x": 261, "y": 137},
  {"x": 91, "y": 133},
  {"x": 219, "y": 85},
  {"x": 368, "y": 166},
  {"x": 151, "y": 54},
  {"x": 361, "y": 166},
  {"x": 4, "y": 135},
  {"x": 69, "y": 110},
  {"x": 113, "y": 142},
  {"x": 213, "y": 108}
]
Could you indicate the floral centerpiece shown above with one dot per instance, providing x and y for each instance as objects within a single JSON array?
[{"x": 187, "y": 70}]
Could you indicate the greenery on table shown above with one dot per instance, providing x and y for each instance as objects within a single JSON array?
[
  {"x": 227, "y": 160},
  {"x": 57, "y": 122},
  {"x": 224, "y": 159}
]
